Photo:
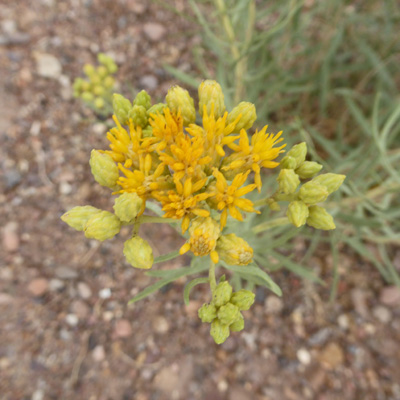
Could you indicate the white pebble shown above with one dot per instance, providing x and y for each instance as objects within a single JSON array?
[
  {"x": 105, "y": 293},
  {"x": 72, "y": 319},
  {"x": 304, "y": 356}
]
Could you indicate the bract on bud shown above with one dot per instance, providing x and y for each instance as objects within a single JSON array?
[
  {"x": 109, "y": 82},
  {"x": 99, "y": 102},
  {"x": 138, "y": 253},
  {"x": 222, "y": 294},
  {"x": 101, "y": 226},
  {"x": 297, "y": 213},
  {"x": 156, "y": 108},
  {"x": 308, "y": 169},
  {"x": 179, "y": 99},
  {"x": 207, "y": 312},
  {"x": 89, "y": 70},
  {"x": 138, "y": 115},
  {"x": 298, "y": 152},
  {"x": 211, "y": 97},
  {"x": 228, "y": 314},
  {"x": 248, "y": 115},
  {"x": 142, "y": 99},
  {"x": 104, "y": 169},
  {"x": 243, "y": 299},
  {"x": 87, "y": 96},
  {"x": 127, "y": 206},
  {"x": 332, "y": 182},
  {"x": 78, "y": 216},
  {"x": 319, "y": 218},
  {"x": 288, "y": 181},
  {"x": 234, "y": 250},
  {"x": 219, "y": 331},
  {"x": 238, "y": 325},
  {"x": 121, "y": 107},
  {"x": 288, "y": 163},
  {"x": 312, "y": 193}
]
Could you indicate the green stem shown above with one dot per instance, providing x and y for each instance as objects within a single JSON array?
[
  {"x": 270, "y": 224},
  {"x": 211, "y": 277},
  {"x": 148, "y": 219}
]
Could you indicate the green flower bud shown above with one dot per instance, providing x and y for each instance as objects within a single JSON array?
[
  {"x": 219, "y": 332},
  {"x": 127, "y": 206},
  {"x": 228, "y": 314},
  {"x": 298, "y": 152},
  {"x": 207, "y": 313},
  {"x": 78, "y": 216},
  {"x": 78, "y": 83},
  {"x": 288, "y": 163},
  {"x": 99, "y": 102},
  {"x": 178, "y": 99},
  {"x": 222, "y": 294},
  {"x": 86, "y": 86},
  {"x": 95, "y": 79},
  {"x": 121, "y": 107},
  {"x": 102, "y": 71},
  {"x": 104, "y": 169},
  {"x": 101, "y": 226},
  {"x": 109, "y": 82},
  {"x": 98, "y": 90},
  {"x": 138, "y": 253},
  {"x": 332, "y": 182},
  {"x": 248, "y": 112},
  {"x": 238, "y": 325},
  {"x": 288, "y": 181},
  {"x": 142, "y": 99},
  {"x": 87, "y": 96},
  {"x": 274, "y": 206},
  {"x": 234, "y": 250},
  {"x": 297, "y": 213},
  {"x": 89, "y": 70},
  {"x": 243, "y": 299},
  {"x": 308, "y": 169},
  {"x": 108, "y": 62},
  {"x": 148, "y": 131},
  {"x": 312, "y": 193},
  {"x": 319, "y": 218},
  {"x": 156, "y": 108},
  {"x": 139, "y": 117},
  {"x": 210, "y": 93}
]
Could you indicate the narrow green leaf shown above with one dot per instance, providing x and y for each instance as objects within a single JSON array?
[
  {"x": 189, "y": 286},
  {"x": 167, "y": 257}
]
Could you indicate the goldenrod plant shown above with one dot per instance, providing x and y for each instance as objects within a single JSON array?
[
  {"x": 198, "y": 171},
  {"x": 97, "y": 89}
]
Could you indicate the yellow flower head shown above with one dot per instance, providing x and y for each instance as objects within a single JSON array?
[
  {"x": 215, "y": 134},
  {"x": 166, "y": 127},
  {"x": 260, "y": 152},
  {"x": 127, "y": 147},
  {"x": 145, "y": 181},
  {"x": 227, "y": 197},
  {"x": 234, "y": 250},
  {"x": 204, "y": 233},
  {"x": 183, "y": 203},
  {"x": 187, "y": 157}
]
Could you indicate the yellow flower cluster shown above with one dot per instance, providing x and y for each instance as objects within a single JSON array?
[{"x": 195, "y": 170}]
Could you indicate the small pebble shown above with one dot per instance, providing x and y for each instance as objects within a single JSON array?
[
  {"x": 332, "y": 355},
  {"x": 98, "y": 353},
  {"x": 84, "y": 290},
  {"x": 343, "y": 321},
  {"x": 390, "y": 296},
  {"x": 122, "y": 328},
  {"x": 160, "y": 325},
  {"x": 66, "y": 273},
  {"x": 273, "y": 305},
  {"x": 382, "y": 314},
  {"x": 38, "y": 395},
  {"x": 105, "y": 293},
  {"x": 149, "y": 82},
  {"x": 10, "y": 237},
  {"x": 99, "y": 129},
  {"x": 38, "y": 287},
  {"x": 65, "y": 188},
  {"x": 72, "y": 319},
  {"x": 304, "y": 356},
  {"x": 154, "y": 31},
  {"x": 56, "y": 285}
]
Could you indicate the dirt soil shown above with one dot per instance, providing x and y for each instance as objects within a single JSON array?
[{"x": 66, "y": 331}]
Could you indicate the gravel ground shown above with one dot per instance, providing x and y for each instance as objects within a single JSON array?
[{"x": 66, "y": 330}]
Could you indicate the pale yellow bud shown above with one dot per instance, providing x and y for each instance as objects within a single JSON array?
[
  {"x": 243, "y": 299},
  {"x": 332, "y": 182},
  {"x": 228, "y": 314},
  {"x": 138, "y": 253},
  {"x": 238, "y": 325},
  {"x": 222, "y": 294},
  {"x": 78, "y": 216},
  {"x": 298, "y": 152},
  {"x": 288, "y": 181},
  {"x": 211, "y": 96},
  {"x": 101, "y": 226},
  {"x": 312, "y": 193},
  {"x": 234, "y": 250},
  {"x": 127, "y": 206},
  {"x": 219, "y": 331},
  {"x": 308, "y": 169},
  {"x": 104, "y": 169},
  {"x": 248, "y": 115},
  {"x": 179, "y": 99},
  {"x": 297, "y": 213},
  {"x": 207, "y": 313},
  {"x": 319, "y": 218},
  {"x": 288, "y": 163}
]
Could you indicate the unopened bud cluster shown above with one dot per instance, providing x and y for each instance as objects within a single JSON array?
[
  {"x": 96, "y": 90},
  {"x": 224, "y": 311},
  {"x": 303, "y": 208}
]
